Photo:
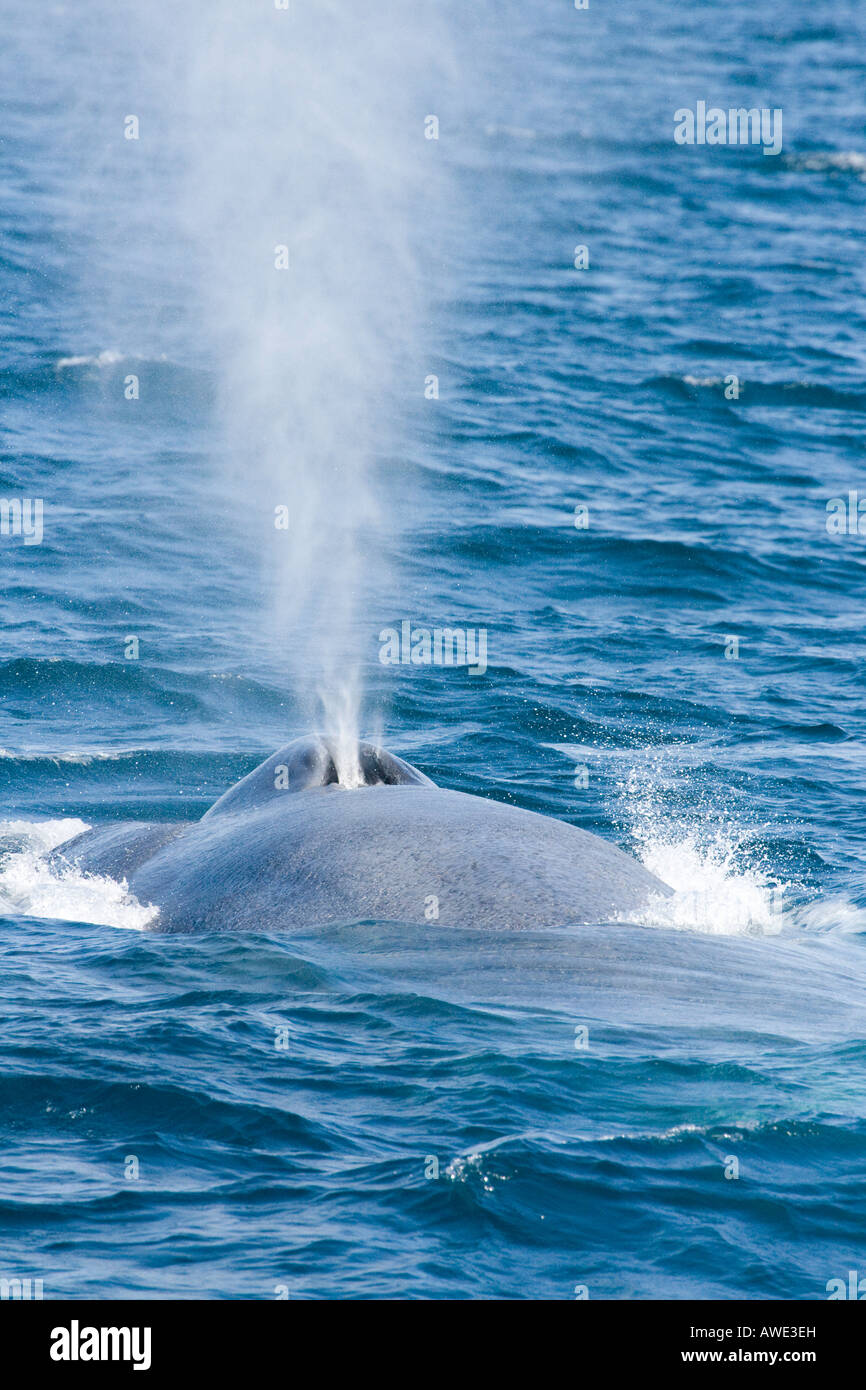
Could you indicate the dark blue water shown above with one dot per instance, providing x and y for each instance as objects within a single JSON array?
[{"x": 377, "y": 1111}]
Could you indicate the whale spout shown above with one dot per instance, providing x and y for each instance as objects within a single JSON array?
[{"x": 310, "y": 763}]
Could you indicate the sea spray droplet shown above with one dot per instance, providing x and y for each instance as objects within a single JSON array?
[{"x": 713, "y": 891}]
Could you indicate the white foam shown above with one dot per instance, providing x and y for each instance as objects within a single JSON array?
[
  {"x": 472, "y": 1165},
  {"x": 718, "y": 888},
  {"x": 108, "y": 358},
  {"x": 81, "y": 756},
  {"x": 841, "y": 161},
  {"x": 711, "y": 893},
  {"x": 837, "y": 915},
  {"x": 32, "y": 887}
]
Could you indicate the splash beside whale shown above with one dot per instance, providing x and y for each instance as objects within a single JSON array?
[{"x": 289, "y": 847}]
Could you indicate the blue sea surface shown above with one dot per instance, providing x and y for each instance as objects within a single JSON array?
[{"x": 672, "y": 1108}]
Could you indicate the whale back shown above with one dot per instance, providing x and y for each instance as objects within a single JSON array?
[
  {"x": 290, "y": 847},
  {"x": 388, "y": 853}
]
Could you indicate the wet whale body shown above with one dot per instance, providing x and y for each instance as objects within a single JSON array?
[{"x": 290, "y": 847}]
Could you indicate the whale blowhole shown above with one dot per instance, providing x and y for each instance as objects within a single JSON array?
[{"x": 312, "y": 764}]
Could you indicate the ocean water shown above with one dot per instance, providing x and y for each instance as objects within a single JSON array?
[{"x": 666, "y": 1108}]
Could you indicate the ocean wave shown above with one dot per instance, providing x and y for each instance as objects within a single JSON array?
[
  {"x": 108, "y": 358},
  {"x": 80, "y": 757},
  {"x": 753, "y": 392}
]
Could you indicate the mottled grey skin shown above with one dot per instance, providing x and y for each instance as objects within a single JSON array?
[{"x": 288, "y": 847}]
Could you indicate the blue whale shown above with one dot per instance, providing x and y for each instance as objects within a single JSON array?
[{"x": 290, "y": 847}]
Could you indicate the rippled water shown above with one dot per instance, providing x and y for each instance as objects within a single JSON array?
[{"x": 369, "y": 1110}]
